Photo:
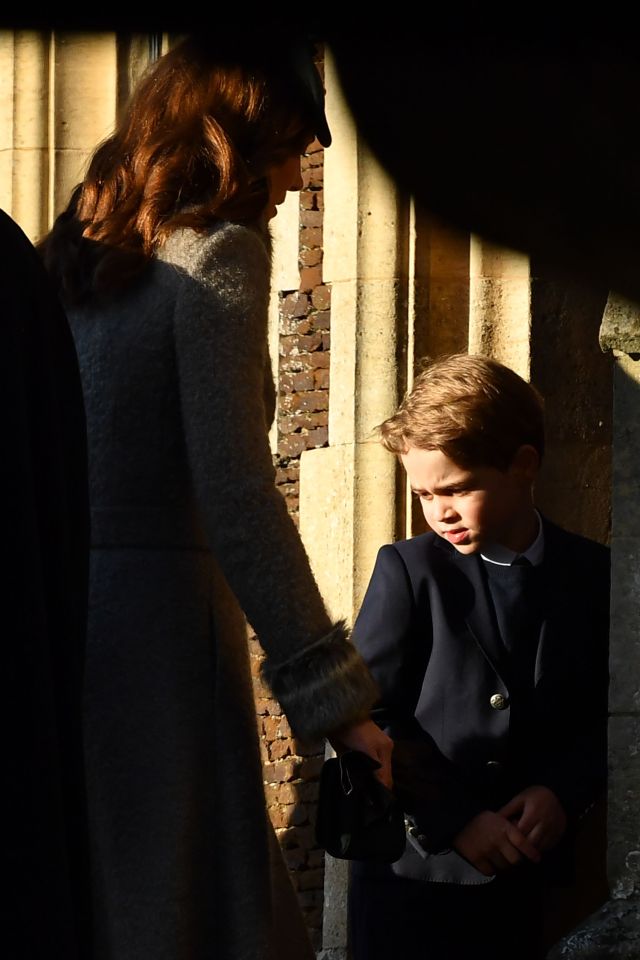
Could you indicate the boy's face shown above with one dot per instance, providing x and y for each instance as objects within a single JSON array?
[{"x": 472, "y": 508}]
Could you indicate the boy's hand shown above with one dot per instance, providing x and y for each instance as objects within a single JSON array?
[
  {"x": 538, "y": 813},
  {"x": 492, "y": 843},
  {"x": 367, "y": 737}
]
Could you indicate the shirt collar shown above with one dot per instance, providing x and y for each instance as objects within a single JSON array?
[{"x": 494, "y": 553}]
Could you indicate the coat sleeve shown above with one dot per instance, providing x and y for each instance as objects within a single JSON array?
[
  {"x": 220, "y": 330},
  {"x": 395, "y": 643}
]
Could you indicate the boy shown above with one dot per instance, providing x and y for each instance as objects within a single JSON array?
[{"x": 488, "y": 639}]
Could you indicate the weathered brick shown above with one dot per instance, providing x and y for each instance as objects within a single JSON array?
[
  {"x": 306, "y": 361},
  {"x": 311, "y": 257},
  {"x": 290, "y": 325},
  {"x": 270, "y": 727},
  {"x": 271, "y": 793},
  {"x": 292, "y": 445},
  {"x": 286, "y": 425},
  {"x": 322, "y": 320},
  {"x": 287, "y": 401},
  {"x": 311, "y": 218},
  {"x": 295, "y": 304},
  {"x": 291, "y": 365},
  {"x": 284, "y": 730},
  {"x": 294, "y": 346},
  {"x": 293, "y": 503},
  {"x": 321, "y": 379},
  {"x": 310, "y": 237},
  {"x": 288, "y": 474},
  {"x": 288, "y": 838},
  {"x": 321, "y": 297},
  {"x": 312, "y": 200},
  {"x": 317, "y": 438},
  {"x": 281, "y": 793},
  {"x": 255, "y": 664},
  {"x": 310, "y": 277},
  {"x": 279, "y": 749},
  {"x": 304, "y": 422},
  {"x": 312, "y": 178},
  {"x": 289, "y": 346},
  {"x": 280, "y": 816},
  {"x": 299, "y": 380},
  {"x": 313, "y": 401},
  {"x": 281, "y": 771},
  {"x": 273, "y": 707},
  {"x": 308, "y": 200},
  {"x": 260, "y": 688},
  {"x": 288, "y": 490},
  {"x": 255, "y": 649},
  {"x": 310, "y": 342}
]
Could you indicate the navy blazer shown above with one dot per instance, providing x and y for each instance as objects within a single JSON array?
[{"x": 428, "y": 631}]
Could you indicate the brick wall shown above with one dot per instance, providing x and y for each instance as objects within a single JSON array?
[
  {"x": 304, "y": 343},
  {"x": 291, "y": 770}
]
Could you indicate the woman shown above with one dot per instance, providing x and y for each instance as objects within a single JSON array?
[{"x": 162, "y": 259}]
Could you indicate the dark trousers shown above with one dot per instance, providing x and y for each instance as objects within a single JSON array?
[{"x": 412, "y": 920}]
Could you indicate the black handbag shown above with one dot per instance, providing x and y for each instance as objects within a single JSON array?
[{"x": 358, "y": 818}]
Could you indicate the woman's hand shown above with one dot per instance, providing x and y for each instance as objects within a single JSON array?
[{"x": 367, "y": 737}]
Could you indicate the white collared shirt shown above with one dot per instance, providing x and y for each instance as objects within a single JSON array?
[{"x": 494, "y": 553}]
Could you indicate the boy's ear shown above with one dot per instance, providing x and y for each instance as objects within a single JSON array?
[{"x": 526, "y": 463}]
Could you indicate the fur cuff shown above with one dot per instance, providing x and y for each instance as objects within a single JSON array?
[{"x": 324, "y": 687}]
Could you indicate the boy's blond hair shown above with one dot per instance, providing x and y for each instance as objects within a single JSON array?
[{"x": 477, "y": 411}]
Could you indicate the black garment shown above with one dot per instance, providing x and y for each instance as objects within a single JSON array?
[
  {"x": 45, "y": 540},
  {"x": 501, "y": 920}
]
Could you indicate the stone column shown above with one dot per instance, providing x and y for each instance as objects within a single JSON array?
[
  {"x": 24, "y": 147},
  {"x": 614, "y": 930},
  {"x": 348, "y": 489},
  {"x": 500, "y": 305},
  {"x": 57, "y": 101},
  {"x": 84, "y": 101}
]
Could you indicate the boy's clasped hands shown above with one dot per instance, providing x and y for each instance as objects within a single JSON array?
[{"x": 527, "y": 827}]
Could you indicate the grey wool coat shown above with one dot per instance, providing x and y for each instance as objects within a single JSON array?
[{"x": 188, "y": 534}]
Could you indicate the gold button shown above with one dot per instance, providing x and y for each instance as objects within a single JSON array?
[{"x": 498, "y": 702}]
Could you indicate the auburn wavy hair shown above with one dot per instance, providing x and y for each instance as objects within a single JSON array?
[
  {"x": 477, "y": 411},
  {"x": 199, "y": 134}
]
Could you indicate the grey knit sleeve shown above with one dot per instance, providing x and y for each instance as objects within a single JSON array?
[{"x": 220, "y": 330}]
